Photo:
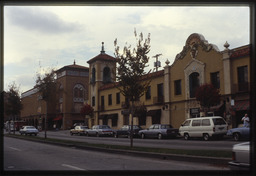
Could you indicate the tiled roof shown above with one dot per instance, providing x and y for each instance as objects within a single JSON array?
[
  {"x": 103, "y": 57},
  {"x": 241, "y": 51},
  {"x": 73, "y": 67}
]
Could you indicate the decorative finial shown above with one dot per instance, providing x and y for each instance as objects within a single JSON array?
[
  {"x": 74, "y": 62},
  {"x": 167, "y": 62},
  {"x": 226, "y": 45},
  {"x": 102, "y": 48}
]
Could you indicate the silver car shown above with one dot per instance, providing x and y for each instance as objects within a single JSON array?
[
  {"x": 29, "y": 130},
  {"x": 240, "y": 157}
]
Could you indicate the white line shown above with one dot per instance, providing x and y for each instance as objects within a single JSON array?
[
  {"x": 15, "y": 149},
  {"x": 72, "y": 167}
]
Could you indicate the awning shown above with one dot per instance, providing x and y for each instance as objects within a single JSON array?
[
  {"x": 241, "y": 105},
  {"x": 154, "y": 112},
  {"x": 57, "y": 118}
]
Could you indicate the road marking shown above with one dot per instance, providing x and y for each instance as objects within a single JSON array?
[
  {"x": 72, "y": 167},
  {"x": 15, "y": 149}
]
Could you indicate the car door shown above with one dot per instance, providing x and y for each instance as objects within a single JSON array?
[
  {"x": 155, "y": 131},
  {"x": 149, "y": 132},
  {"x": 195, "y": 130}
]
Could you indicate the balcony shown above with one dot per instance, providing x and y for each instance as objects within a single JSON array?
[
  {"x": 158, "y": 100},
  {"x": 241, "y": 87}
]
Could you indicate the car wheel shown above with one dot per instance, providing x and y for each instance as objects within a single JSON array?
[
  {"x": 206, "y": 137},
  {"x": 142, "y": 136},
  {"x": 115, "y": 135},
  {"x": 159, "y": 136},
  {"x": 186, "y": 136},
  {"x": 236, "y": 136}
]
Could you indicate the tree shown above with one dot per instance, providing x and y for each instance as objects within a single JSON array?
[
  {"x": 87, "y": 110},
  {"x": 47, "y": 87},
  {"x": 208, "y": 96},
  {"x": 130, "y": 69},
  {"x": 13, "y": 104}
]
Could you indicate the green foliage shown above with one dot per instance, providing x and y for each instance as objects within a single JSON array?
[
  {"x": 13, "y": 104},
  {"x": 131, "y": 67},
  {"x": 47, "y": 85}
]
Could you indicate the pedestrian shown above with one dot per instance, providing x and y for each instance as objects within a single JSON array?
[{"x": 246, "y": 120}]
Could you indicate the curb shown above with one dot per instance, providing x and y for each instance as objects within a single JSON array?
[{"x": 187, "y": 158}]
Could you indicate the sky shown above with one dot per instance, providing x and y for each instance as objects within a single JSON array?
[{"x": 39, "y": 38}]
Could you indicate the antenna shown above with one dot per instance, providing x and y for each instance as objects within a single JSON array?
[{"x": 157, "y": 63}]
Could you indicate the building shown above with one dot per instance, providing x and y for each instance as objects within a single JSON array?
[
  {"x": 170, "y": 98},
  {"x": 72, "y": 93},
  {"x": 171, "y": 95}
]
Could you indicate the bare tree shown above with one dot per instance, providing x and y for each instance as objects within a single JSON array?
[{"x": 130, "y": 70}]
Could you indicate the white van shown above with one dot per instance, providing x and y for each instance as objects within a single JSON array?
[{"x": 205, "y": 127}]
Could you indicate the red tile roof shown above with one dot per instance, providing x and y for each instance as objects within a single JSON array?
[
  {"x": 104, "y": 57},
  {"x": 241, "y": 51}
]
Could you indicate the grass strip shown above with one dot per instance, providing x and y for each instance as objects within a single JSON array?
[{"x": 203, "y": 153}]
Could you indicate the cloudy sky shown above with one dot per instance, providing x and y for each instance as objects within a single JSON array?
[{"x": 37, "y": 38}]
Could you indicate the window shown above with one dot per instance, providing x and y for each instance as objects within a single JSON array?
[
  {"x": 242, "y": 78},
  {"x": 93, "y": 75},
  {"x": 78, "y": 93},
  {"x": 148, "y": 93},
  {"x": 102, "y": 101},
  {"x": 187, "y": 123},
  {"x": 193, "y": 84},
  {"x": 156, "y": 127},
  {"x": 177, "y": 87},
  {"x": 206, "y": 122},
  {"x": 106, "y": 75},
  {"x": 93, "y": 101},
  {"x": 215, "y": 79},
  {"x": 196, "y": 123},
  {"x": 110, "y": 99},
  {"x": 118, "y": 98}
]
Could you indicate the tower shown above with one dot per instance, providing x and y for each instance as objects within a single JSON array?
[{"x": 101, "y": 72}]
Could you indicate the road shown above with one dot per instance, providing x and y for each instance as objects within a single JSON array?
[
  {"x": 32, "y": 156},
  {"x": 194, "y": 144}
]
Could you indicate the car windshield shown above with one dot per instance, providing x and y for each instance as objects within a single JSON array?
[
  {"x": 166, "y": 126},
  {"x": 218, "y": 121},
  {"x": 84, "y": 127},
  {"x": 104, "y": 127}
]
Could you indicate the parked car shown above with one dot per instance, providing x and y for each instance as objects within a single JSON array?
[
  {"x": 239, "y": 133},
  {"x": 100, "y": 130},
  {"x": 126, "y": 130},
  {"x": 79, "y": 130},
  {"x": 159, "y": 131},
  {"x": 204, "y": 127},
  {"x": 240, "y": 157},
  {"x": 28, "y": 130}
]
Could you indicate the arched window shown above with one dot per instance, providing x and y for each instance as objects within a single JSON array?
[
  {"x": 106, "y": 75},
  {"x": 193, "y": 84},
  {"x": 93, "y": 75},
  {"x": 78, "y": 93}
]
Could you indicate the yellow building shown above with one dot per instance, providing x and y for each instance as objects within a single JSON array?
[{"x": 171, "y": 95}]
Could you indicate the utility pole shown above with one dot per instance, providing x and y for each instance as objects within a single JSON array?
[{"x": 157, "y": 63}]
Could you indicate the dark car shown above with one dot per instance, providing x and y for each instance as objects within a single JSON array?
[
  {"x": 239, "y": 133},
  {"x": 126, "y": 130},
  {"x": 159, "y": 131}
]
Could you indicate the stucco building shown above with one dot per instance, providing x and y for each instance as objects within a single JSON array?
[
  {"x": 170, "y": 98},
  {"x": 171, "y": 95}
]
